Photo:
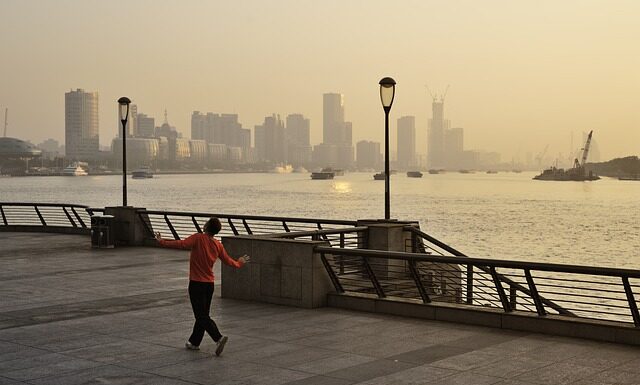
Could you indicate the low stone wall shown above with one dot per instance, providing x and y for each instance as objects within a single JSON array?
[{"x": 281, "y": 271}]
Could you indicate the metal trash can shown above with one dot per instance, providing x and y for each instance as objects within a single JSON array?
[{"x": 102, "y": 231}]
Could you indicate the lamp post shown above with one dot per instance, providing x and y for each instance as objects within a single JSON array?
[
  {"x": 387, "y": 92},
  {"x": 123, "y": 104}
]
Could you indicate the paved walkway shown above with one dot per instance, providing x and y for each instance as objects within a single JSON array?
[{"x": 71, "y": 315}]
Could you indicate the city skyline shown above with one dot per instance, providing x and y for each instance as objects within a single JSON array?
[{"x": 527, "y": 77}]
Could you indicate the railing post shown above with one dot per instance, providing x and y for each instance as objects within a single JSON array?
[
  {"x": 233, "y": 227},
  {"x": 4, "y": 218},
  {"x": 40, "y": 216},
  {"x": 469, "y": 284},
  {"x": 147, "y": 223},
  {"x": 286, "y": 228},
  {"x": 513, "y": 297},
  {"x": 246, "y": 227},
  {"x": 373, "y": 278},
  {"x": 82, "y": 224},
  {"x": 342, "y": 240},
  {"x": 173, "y": 231},
  {"x": 503, "y": 297},
  {"x": 69, "y": 217},
  {"x": 534, "y": 294},
  {"x": 632, "y": 301},
  {"x": 195, "y": 223},
  {"x": 418, "y": 282},
  {"x": 332, "y": 274}
]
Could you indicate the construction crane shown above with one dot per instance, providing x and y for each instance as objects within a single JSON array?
[
  {"x": 435, "y": 96},
  {"x": 541, "y": 155},
  {"x": 6, "y": 122},
  {"x": 585, "y": 153}
]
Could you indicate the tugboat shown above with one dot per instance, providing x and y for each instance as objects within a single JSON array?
[
  {"x": 379, "y": 176},
  {"x": 414, "y": 174},
  {"x": 434, "y": 171},
  {"x": 576, "y": 173},
  {"x": 142, "y": 173},
  {"x": 322, "y": 175}
]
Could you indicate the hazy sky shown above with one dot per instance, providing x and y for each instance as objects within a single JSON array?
[{"x": 522, "y": 74}]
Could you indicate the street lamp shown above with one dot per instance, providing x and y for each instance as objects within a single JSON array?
[
  {"x": 387, "y": 93},
  {"x": 123, "y": 104}
]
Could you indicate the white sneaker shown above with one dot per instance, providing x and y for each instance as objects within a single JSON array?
[
  {"x": 191, "y": 346},
  {"x": 220, "y": 345}
]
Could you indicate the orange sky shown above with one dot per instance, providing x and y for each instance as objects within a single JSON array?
[{"x": 522, "y": 74}]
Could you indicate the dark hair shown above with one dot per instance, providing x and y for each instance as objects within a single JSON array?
[{"x": 213, "y": 226}]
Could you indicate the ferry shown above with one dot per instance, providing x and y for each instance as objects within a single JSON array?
[
  {"x": 414, "y": 174},
  {"x": 74, "y": 170},
  {"x": 142, "y": 173},
  {"x": 336, "y": 172},
  {"x": 322, "y": 175}
]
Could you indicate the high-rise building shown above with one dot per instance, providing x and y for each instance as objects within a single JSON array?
[
  {"x": 335, "y": 132},
  {"x": 406, "y": 143},
  {"x": 368, "y": 155},
  {"x": 81, "y": 127},
  {"x": 132, "y": 122},
  {"x": 270, "y": 140},
  {"x": 145, "y": 126},
  {"x": 453, "y": 147},
  {"x": 298, "y": 140},
  {"x": 219, "y": 129}
]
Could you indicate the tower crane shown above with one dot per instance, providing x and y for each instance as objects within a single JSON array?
[{"x": 585, "y": 152}]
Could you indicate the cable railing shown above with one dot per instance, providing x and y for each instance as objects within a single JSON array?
[
  {"x": 182, "y": 224},
  {"x": 44, "y": 216},
  {"x": 578, "y": 291}
]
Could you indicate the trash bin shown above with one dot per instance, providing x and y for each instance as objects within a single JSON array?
[{"x": 102, "y": 232}]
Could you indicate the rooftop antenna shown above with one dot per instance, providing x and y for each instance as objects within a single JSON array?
[{"x": 6, "y": 112}]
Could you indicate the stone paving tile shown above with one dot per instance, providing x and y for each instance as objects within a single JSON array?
[
  {"x": 424, "y": 374},
  {"x": 614, "y": 376},
  {"x": 334, "y": 362},
  {"x": 370, "y": 370},
  {"x": 467, "y": 361},
  {"x": 468, "y": 378},
  {"x": 108, "y": 375},
  {"x": 429, "y": 354},
  {"x": 320, "y": 380},
  {"x": 8, "y": 381},
  {"x": 48, "y": 369},
  {"x": 512, "y": 367},
  {"x": 559, "y": 373}
]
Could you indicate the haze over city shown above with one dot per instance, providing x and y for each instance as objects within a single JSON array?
[{"x": 521, "y": 76}]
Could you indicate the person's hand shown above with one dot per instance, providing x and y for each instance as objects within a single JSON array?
[
  {"x": 245, "y": 259},
  {"x": 158, "y": 236}
]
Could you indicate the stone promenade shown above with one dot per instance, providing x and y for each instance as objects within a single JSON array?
[{"x": 72, "y": 315}]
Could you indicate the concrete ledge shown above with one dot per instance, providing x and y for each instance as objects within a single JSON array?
[
  {"x": 607, "y": 331},
  {"x": 45, "y": 229}
]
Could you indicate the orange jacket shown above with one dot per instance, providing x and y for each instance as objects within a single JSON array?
[{"x": 204, "y": 252}]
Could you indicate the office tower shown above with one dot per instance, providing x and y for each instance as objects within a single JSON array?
[
  {"x": 219, "y": 129},
  {"x": 368, "y": 155},
  {"x": 435, "y": 141},
  {"x": 81, "y": 127},
  {"x": 453, "y": 147},
  {"x": 337, "y": 146},
  {"x": 270, "y": 140},
  {"x": 145, "y": 126},
  {"x": 406, "y": 142},
  {"x": 298, "y": 140}
]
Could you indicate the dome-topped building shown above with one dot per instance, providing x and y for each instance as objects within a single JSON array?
[{"x": 12, "y": 148}]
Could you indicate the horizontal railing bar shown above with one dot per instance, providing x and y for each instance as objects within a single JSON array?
[
  {"x": 251, "y": 217},
  {"x": 22, "y": 204},
  {"x": 499, "y": 263}
]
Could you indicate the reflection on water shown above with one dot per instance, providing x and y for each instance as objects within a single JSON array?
[{"x": 503, "y": 215}]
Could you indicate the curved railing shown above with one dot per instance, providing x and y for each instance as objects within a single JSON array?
[
  {"x": 45, "y": 217},
  {"x": 541, "y": 288}
]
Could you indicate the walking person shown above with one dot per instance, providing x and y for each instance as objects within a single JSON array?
[{"x": 205, "y": 250}]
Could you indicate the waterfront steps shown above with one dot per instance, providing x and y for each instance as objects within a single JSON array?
[{"x": 73, "y": 315}]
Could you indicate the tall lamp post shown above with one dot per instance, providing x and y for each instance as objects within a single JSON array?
[
  {"x": 123, "y": 103},
  {"x": 387, "y": 92}
]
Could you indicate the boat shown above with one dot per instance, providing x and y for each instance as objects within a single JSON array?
[
  {"x": 74, "y": 170},
  {"x": 492, "y": 172},
  {"x": 434, "y": 171},
  {"x": 414, "y": 174},
  {"x": 465, "y": 171},
  {"x": 336, "y": 172},
  {"x": 576, "y": 173},
  {"x": 142, "y": 173},
  {"x": 322, "y": 175},
  {"x": 379, "y": 176},
  {"x": 283, "y": 169},
  {"x": 636, "y": 177}
]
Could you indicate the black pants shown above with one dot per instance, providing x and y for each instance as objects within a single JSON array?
[{"x": 200, "y": 294}]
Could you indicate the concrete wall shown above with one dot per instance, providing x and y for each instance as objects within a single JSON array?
[{"x": 281, "y": 271}]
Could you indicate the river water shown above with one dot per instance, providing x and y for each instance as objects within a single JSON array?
[{"x": 502, "y": 216}]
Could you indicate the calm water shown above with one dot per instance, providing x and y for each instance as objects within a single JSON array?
[{"x": 505, "y": 215}]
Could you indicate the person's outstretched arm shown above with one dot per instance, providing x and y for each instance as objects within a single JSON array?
[
  {"x": 227, "y": 260},
  {"x": 185, "y": 244}
]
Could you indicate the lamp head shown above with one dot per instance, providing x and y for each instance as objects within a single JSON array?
[
  {"x": 387, "y": 92},
  {"x": 123, "y": 103}
]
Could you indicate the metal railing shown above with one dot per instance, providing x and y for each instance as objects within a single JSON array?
[
  {"x": 182, "y": 224},
  {"x": 578, "y": 291},
  {"x": 49, "y": 216},
  {"x": 349, "y": 238}
]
